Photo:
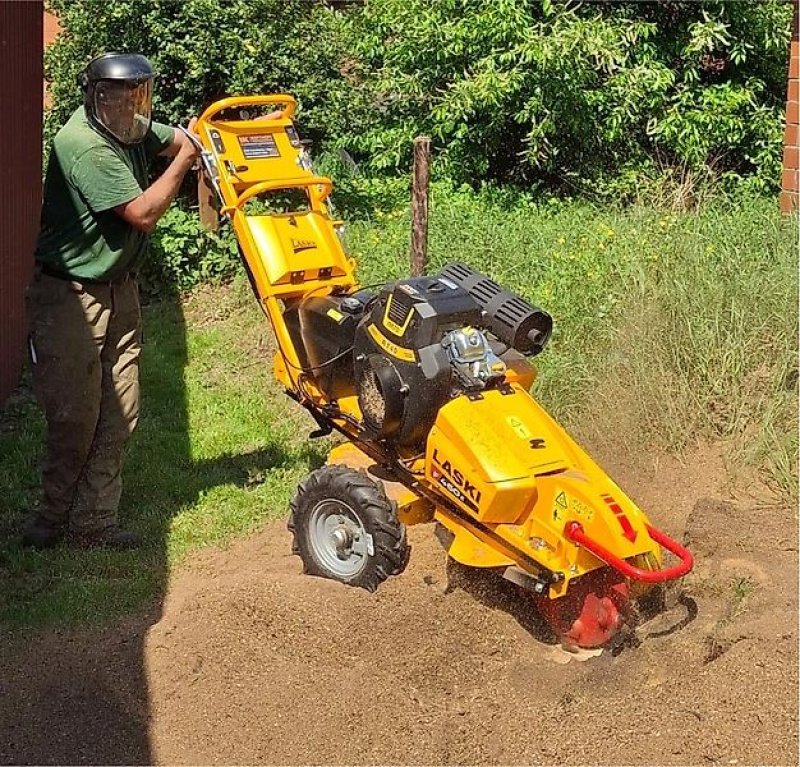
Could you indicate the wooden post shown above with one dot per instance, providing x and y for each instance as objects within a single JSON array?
[
  {"x": 209, "y": 216},
  {"x": 419, "y": 206}
]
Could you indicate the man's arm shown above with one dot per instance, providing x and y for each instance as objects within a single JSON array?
[
  {"x": 179, "y": 139},
  {"x": 144, "y": 211}
]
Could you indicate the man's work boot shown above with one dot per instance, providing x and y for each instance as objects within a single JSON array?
[
  {"x": 41, "y": 533},
  {"x": 112, "y": 537}
]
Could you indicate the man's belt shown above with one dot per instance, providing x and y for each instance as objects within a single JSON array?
[{"x": 59, "y": 275}]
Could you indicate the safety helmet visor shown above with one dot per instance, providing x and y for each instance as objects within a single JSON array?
[{"x": 124, "y": 108}]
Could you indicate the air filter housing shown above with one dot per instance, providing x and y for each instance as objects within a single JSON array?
[{"x": 512, "y": 319}]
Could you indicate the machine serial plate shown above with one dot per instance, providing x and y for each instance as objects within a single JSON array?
[{"x": 258, "y": 147}]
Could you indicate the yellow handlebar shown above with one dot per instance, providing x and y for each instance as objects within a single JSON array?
[
  {"x": 290, "y": 104},
  {"x": 284, "y": 183}
]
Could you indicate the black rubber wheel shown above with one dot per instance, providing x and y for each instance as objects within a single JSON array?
[{"x": 346, "y": 529}]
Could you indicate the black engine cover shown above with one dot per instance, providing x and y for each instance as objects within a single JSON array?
[
  {"x": 404, "y": 329},
  {"x": 322, "y": 329}
]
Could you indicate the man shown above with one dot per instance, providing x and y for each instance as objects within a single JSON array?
[{"x": 83, "y": 305}]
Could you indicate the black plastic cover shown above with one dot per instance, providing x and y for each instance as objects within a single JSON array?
[
  {"x": 323, "y": 332},
  {"x": 512, "y": 319}
]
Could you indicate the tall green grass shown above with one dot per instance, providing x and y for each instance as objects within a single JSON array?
[{"x": 668, "y": 328}]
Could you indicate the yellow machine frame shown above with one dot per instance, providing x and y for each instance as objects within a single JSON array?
[
  {"x": 288, "y": 255},
  {"x": 550, "y": 515}
]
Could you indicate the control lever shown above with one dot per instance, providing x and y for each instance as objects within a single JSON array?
[
  {"x": 196, "y": 141},
  {"x": 207, "y": 162}
]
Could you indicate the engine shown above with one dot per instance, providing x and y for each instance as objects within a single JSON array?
[
  {"x": 412, "y": 347},
  {"x": 427, "y": 339}
]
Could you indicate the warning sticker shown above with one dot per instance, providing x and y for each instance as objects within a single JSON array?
[
  {"x": 334, "y": 315},
  {"x": 519, "y": 427},
  {"x": 258, "y": 147}
]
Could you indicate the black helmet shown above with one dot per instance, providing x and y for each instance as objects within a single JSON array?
[{"x": 118, "y": 95}]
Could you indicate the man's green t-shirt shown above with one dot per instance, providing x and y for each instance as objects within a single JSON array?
[{"x": 88, "y": 175}]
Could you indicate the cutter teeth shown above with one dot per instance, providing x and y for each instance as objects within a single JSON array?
[{"x": 563, "y": 655}]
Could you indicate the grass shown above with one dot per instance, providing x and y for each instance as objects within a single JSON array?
[
  {"x": 669, "y": 329},
  {"x": 719, "y": 640},
  {"x": 217, "y": 453},
  {"x": 742, "y": 588}
]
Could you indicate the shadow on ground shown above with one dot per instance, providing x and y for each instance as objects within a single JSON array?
[{"x": 85, "y": 699}]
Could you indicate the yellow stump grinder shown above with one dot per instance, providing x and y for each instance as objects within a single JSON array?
[{"x": 428, "y": 379}]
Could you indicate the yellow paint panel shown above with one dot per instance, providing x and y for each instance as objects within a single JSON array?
[
  {"x": 468, "y": 550},
  {"x": 407, "y": 355},
  {"x": 290, "y": 245}
]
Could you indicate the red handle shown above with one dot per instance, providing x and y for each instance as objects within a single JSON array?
[{"x": 574, "y": 532}]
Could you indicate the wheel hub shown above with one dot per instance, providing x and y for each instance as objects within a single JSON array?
[
  {"x": 338, "y": 538},
  {"x": 343, "y": 541}
]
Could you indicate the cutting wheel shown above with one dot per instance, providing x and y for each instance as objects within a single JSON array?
[{"x": 591, "y": 613}]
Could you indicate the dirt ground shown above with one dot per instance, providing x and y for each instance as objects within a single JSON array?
[{"x": 249, "y": 661}]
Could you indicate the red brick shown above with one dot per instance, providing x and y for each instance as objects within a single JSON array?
[
  {"x": 794, "y": 60},
  {"x": 792, "y": 135},
  {"x": 792, "y": 113},
  {"x": 794, "y": 90},
  {"x": 790, "y": 180},
  {"x": 790, "y": 201},
  {"x": 50, "y": 28},
  {"x": 791, "y": 157}
]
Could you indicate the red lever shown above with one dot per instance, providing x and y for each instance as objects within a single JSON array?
[{"x": 574, "y": 532}]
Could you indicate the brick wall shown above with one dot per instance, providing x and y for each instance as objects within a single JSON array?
[
  {"x": 51, "y": 29},
  {"x": 790, "y": 182}
]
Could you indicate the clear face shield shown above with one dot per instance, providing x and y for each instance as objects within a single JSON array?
[{"x": 124, "y": 108}]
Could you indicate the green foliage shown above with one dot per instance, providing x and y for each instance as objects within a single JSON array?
[
  {"x": 566, "y": 95},
  {"x": 360, "y": 196},
  {"x": 668, "y": 327},
  {"x": 183, "y": 254},
  {"x": 578, "y": 97},
  {"x": 204, "y": 50},
  {"x": 659, "y": 102}
]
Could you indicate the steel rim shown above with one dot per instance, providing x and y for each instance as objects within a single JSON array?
[{"x": 338, "y": 539}]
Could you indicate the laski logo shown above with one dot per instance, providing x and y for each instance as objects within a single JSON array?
[
  {"x": 298, "y": 245},
  {"x": 455, "y": 482}
]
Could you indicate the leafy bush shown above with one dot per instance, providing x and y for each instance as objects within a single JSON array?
[
  {"x": 184, "y": 254},
  {"x": 204, "y": 50},
  {"x": 583, "y": 97},
  {"x": 660, "y": 101},
  {"x": 568, "y": 95}
]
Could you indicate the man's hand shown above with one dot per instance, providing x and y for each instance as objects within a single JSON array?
[
  {"x": 180, "y": 140},
  {"x": 191, "y": 148}
]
